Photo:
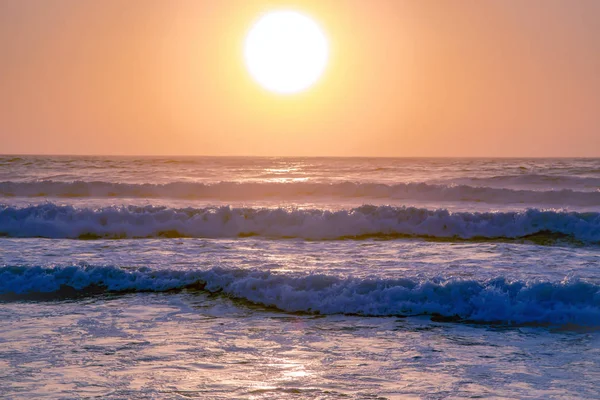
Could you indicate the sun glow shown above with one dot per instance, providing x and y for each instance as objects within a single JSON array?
[{"x": 286, "y": 52}]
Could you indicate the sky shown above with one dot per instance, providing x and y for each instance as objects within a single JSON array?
[{"x": 445, "y": 78}]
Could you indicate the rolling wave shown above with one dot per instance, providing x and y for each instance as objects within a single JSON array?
[
  {"x": 497, "y": 300},
  {"x": 295, "y": 190},
  {"x": 534, "y": 180},
  {"x": 62, "y": 221}
]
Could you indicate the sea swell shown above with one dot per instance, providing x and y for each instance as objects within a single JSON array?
[
  {"x": 496, "y": 300},
  {"x": 64, "y": 221},
  {"x": 298, "y": 190},
  {"x": 556, "y": 182}
]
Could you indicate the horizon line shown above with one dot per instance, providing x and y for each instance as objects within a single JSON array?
[{"x": 279, "y": 156}]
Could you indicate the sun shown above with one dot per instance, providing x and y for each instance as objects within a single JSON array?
[{"x": 286, "y": 52}]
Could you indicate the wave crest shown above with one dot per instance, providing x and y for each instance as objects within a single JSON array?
[
  {"x": 56, "y": 221},
  {"x": 496, "y": 300},
  {"x": 295, "y": 190},
  {"x": 555, "y": 182}
]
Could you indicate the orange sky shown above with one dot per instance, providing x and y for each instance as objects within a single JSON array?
[{"x": 405, "y": 78}]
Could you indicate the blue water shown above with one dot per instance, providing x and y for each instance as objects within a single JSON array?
[{"x": 299, "y": 277}]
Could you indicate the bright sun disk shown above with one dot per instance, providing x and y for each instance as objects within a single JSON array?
[{"x": 286, "y": 51}]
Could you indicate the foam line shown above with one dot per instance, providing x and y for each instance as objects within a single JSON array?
[
  {"x": 61, "y": 221},
  {"x": 496, "y": 300}
]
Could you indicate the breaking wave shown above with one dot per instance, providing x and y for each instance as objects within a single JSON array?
[
  {"x": 294, "y": 190},
  {"x": 63, "y": 221},
  {"x": 496, "y": 300}
]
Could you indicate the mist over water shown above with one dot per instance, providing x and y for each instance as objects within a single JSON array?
[{"x": 300, "y": 277}]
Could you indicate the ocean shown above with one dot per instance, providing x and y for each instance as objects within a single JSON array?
[{"x": 299, "y": 278}]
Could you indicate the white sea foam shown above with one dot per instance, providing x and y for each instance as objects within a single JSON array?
[
  {"x": 298, "y": 190},
  {"x": 568, "y": 302},
  {"x": 57, "y": 221}
]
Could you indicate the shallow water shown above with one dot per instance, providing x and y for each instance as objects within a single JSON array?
[{"x": 194, "y": 345}]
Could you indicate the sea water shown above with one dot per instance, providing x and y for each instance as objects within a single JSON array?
[{"x": 307, "y": 278}]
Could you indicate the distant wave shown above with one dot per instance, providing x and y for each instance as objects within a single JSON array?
[
  {"x": 9, "y": 160},
  {"x": 58, "y": 221},
  {"x": 534, "y": 180},
  {"x": 497, "y": 300},
  {"x": 295, "y": 190}
]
